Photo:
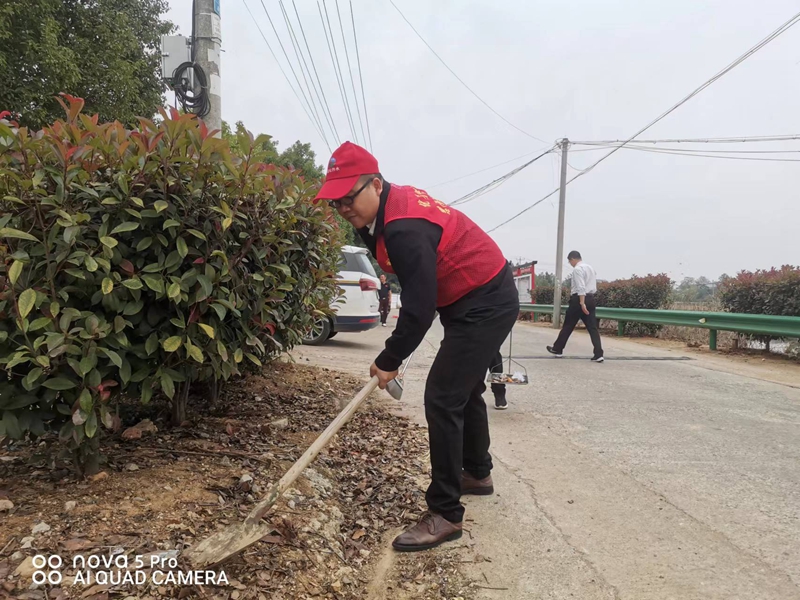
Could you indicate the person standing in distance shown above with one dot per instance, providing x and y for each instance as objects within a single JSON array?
[
  {"x": 445, "y": 263},
  {"x": 581, "y": 307},
  {"x": 385, "y": 300}
]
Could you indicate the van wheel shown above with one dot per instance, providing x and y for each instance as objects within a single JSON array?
[
  {"x": 319, "y": 333},
  {"x": 332, "y": 334}
]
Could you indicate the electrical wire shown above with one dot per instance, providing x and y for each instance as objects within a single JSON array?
[
  {"x": 704, "y": 155},
  {"x": 780, "y": 30},
  {"x": 360, "y": 75},
  {"x": 497, "y": 182},
  {"x": 303, "y": 66},
  {"x": 297, "y": 79},
  {"x": 338, "y": 69},
  {"x": 717, "y": 140},
  {"x": 319, "y": 81},
  {"x": 283, "y": 72},
  {"x": 350, "y": 72},
  {"x": 189, "y": 81},
  {"x": 461, "y": 81},
  {"x": 505, "y": 162}
]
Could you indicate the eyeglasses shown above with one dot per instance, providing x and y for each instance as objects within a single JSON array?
[{"x": 348, "y": 200}]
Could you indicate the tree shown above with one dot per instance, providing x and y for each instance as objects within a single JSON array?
[
  {"x": 105, "y": 51},
  {"x": 300, "y": 156}
]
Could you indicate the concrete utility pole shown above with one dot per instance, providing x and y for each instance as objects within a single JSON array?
[
  {"x": 562, "y": 197},
  {"x": 208, "y": 38}
]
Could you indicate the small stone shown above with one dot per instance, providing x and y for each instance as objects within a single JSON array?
[
  {"x": 17, "y": 556},
  {"x": 70, "y": 505},
  {"x": 6, "y": 505},
  {"x": 99, "y": 477},
  {"x": 131, "y": 467},
  {"x": 292, "y": 504},
  {"x": 235, "y": 595},
  {"x": 226, "y": 462},
  {"x": 337, "y": 586},
  {"x": 40, "y": 528},
  {"x": 280, "y": 423},
  {"x": 26, "y": 542},
  {"x": 25, "y": 568},
  {"x": 168, "y": 488},
  {"x": 258, "y": 399}
]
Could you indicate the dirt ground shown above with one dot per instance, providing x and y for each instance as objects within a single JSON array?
[{"x": 162, "y": 492}]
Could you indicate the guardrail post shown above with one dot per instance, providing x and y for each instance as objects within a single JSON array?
[
  {"x": 712, "y": 339},
  {"x": 620, "y": 328}
]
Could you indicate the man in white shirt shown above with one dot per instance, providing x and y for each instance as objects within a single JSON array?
[{"x": 581, "y": 307}]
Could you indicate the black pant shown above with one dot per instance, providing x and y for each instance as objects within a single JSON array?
[
  {"x": 575, "y": 314},
  {"x": 496, "y": 366},
  {"x": 458, "y": 429},
  {"x": 384, "y": 307}
]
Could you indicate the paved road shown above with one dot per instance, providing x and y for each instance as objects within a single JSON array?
[{"x": 633, "y": 479}]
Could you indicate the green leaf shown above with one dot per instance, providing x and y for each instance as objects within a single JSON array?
[
  {"x": 8, "y": 232},
  {"x": 182, "y": 248},
  {"x": 108, "y": 241},
  {"x": 197, "y": 234},
  {"x": 222, "y": 350},
  {"x": 90, "y": 263},
  {"x": 15, "y": 271},
  {"x": 11, "y": 424},
  {"x": 54, "y": 309},
  {"x": 226, "y": 222},
  {"x": 205, "y": 283},
  {"x": 88, "y": 363},
  {"x": 32, "y": 376},
  {"x": 137, "y": 201},
  {"x": 126, "y": 226},
  {"x": 167, "y": 385},
  {"x": 160, "y": 205},
  {"x": 91, "y": 425},
  {"x": 133, "y": 284},
  {"x": 154, "y": 282},
  {"x": 194, "y": 352},
  {"x": 253, "y": 359},
  {"x": 207, "y": 329},
  {"x": 26, "y": 301},
  {"x": 174, "y": 291},
  {"x": 108, "y": 285},
  {"x": 39, "y": 323},
  {"x": 85, "y": 400},
  {"x": 238, "y": 356},
  {"x": 285, "y": 203},
  {"x": 144, "y": 244},
  {"x": 171, "y": 344},
  {"x": 70, "y": 233},
  {"x": 59, "y": 383},
  {"x": 151, "y": 345},
  {"x": 132, "y": 308},
  {"x": 170, "y": 223},
  {"x": 115, "y": 358},
  {"x": 125, "y": 372}
]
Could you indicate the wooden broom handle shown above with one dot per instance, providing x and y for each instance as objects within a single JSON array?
[{"x": 309, "y": 455}]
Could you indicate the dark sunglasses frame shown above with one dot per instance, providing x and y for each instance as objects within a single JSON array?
[{"x": 348, "y": 200}]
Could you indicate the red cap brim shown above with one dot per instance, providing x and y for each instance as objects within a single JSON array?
[{"x": 333, "y": 189}]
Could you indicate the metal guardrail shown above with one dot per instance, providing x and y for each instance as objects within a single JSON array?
[{"x": 713, "y": 321}]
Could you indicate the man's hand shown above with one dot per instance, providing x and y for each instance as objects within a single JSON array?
[
  {"x": 584, "y": 309},
  {"x": 384, "y": 377}
]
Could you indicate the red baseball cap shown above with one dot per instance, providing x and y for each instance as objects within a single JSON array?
[{"x": 348, "y": 162}]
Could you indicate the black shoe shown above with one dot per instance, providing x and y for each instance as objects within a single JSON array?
[
  {"x": 598, "y": 359},
  {"x": 500, "y": 402},
  {"x": 552, "y": 350}
]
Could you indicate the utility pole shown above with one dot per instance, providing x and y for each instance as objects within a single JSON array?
[
  {"x": 562, "y": 197},
  {"x": 207, "y": 41}
]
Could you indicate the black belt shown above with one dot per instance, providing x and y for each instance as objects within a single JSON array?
[{"x": 592, "y": 294}]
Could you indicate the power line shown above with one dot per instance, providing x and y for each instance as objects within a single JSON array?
[
  {"x": 360, "y": 75},
  {"x": 782, "y": 29},
  {"x": 350, "y": 72},
  {"x": 299, "y": 85},
  {"x": 303, "y": 66},
  {"x": 461, "y": 81},
  {"x": 505, "y": 162},
  {"x": 316, "y": 74},
  {"x": 717, "y": 140},
  {"x": 704, "y": 155},
  {"x": 497, "y": 182},
  {"x": 285, "y": 76},
  {"x": 337, "y": 68}
]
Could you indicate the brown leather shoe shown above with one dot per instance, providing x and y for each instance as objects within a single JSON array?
[
  {"x": 431, "y": 531},
  {"x": 476, "y": 487}
]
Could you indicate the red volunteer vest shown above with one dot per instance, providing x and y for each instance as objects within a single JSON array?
[{"x": 466, "y": 257}]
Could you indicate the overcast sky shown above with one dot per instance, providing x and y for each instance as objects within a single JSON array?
[{"x": 584, "y": 69}]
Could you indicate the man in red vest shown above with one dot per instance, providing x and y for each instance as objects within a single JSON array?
[{"x": 445, "y": 263}]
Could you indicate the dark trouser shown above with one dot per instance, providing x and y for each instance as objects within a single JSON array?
[
  {"x": 496, "y": 366},
  {"x": 384, "y": 307},
  {"x": 458, "y": 429},
  {"x": 575, "y": 314}
]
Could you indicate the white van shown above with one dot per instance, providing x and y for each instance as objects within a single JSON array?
[{"x": 357, "y": 309}]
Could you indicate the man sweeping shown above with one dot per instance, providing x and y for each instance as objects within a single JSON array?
[{"x": 445, "y": 263}]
